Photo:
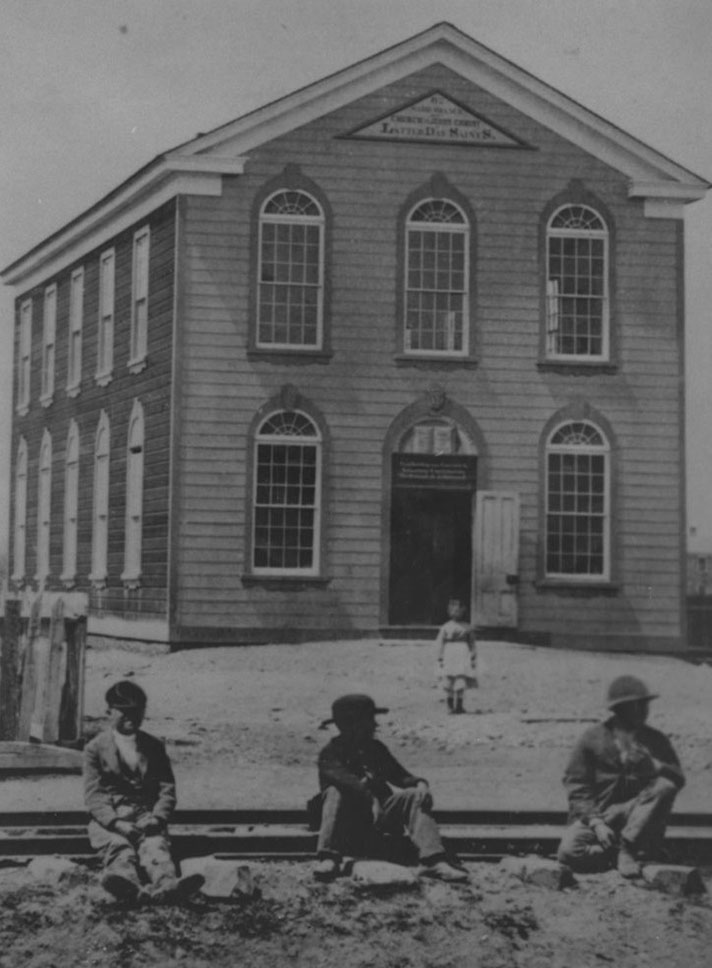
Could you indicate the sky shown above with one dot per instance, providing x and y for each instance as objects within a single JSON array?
[{"x": 91, "y": 90}]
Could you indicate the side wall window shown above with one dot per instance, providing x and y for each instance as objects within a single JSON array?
[
  {"x": 286, "y": 513},
  {"x": 49, "y": 331},
  {"x": 105, "y": 342},
  {"x": 290, "y": 274},
  {"x": 19, "y": 547},
  {"x": 577, "y": 285},
  {"x": 25, "y": 348},
  {"x": 100, "y": 508},
  {"x": 139, "y": 297},
  {"x": 578, "y": 502},
  {"x": 76, "y": 317},
  {"x": 71, "y": 505},
  {"x": 436, "y": 299},
  {"x": 44, "y": 504},
  {"x": 134, "y": 496}
]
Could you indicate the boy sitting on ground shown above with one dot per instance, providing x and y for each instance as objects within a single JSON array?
[
  {"x": 363, "y": 787},
  {"x": 130, "y": 793}
]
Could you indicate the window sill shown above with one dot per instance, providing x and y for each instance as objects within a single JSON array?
[
  {"x": 46, "y": 400},
  {"x": 73, "y": 391},
  {"x": 99, "y": 582},
  {"x": 103, "y": 379},
  {"x": 69, "y": 581},
  {"x": 135, "y": 366},
  {"x": 436, "y": 361},
  {"x": 283, "y": 356},
  {"x": 578, "y": 588},
  {"x": 577, "y": 367},
  {"x": 286, "y": 583},
  {"x": 131, "y": 580}
]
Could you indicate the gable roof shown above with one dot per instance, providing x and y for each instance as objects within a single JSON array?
[{"x": 196, "y": 166}]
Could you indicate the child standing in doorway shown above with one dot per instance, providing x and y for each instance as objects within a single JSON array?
[{"x": 456, "y": 655}]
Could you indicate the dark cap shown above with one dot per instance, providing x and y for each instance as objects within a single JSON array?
[
  {"x": 628, "y": 689},
  {"x": 126, "y": 695},
  {"x": 352, "y": 708}
]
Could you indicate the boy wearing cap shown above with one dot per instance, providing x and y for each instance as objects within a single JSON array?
[
  {"x": 362, "y": 785},
  {"x": 622, "y": 780},
  {"x": 130, "y": 793}
]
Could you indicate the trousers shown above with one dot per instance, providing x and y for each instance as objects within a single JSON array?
[
  {"x": 639, "y": 823},
  {"x": 345, "y": 822},
  {"x": 148, "y": 858}
]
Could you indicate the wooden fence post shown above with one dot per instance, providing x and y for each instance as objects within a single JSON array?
[{"x": 10, "y": 673}]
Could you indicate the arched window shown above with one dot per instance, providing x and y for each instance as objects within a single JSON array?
[
  {"x": 134, "y": 496},
  {"x": 291, "y": 272},
  {"x": 71, "y": 504},
  {"x": 577, "y": 287},
  {"x": 20, "y": 533},
  {"x": 100, "y": 510},
  {"x": 287, "y": 495},
  {"x": 44, "y": 505},
  {"x": 578, "y": 502},
  {"x": 437, "y": 279}
]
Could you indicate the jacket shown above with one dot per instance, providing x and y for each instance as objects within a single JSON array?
[
  {"x": 596, "y": 776},
  {"x": 113, "y": 791},
  {"x": 365, "y": 773}
]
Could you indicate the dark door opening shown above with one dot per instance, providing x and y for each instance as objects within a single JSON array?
[{"x": 431, "y": 553}]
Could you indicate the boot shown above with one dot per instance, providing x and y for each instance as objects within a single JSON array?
[
  {"x": 459, "y": 708},
  {"x": 450, "y": 704}
]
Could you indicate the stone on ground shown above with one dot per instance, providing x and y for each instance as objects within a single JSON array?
[
  {"x": 674, "y": 878},
  {"x": 52, "y": 869},
  {"x": 382, "y": 873},
  {"x": 539, "y": 870},
  {"x": 223, "y": 878}
]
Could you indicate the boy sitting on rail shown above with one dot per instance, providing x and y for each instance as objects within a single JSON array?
[
  {"x": 130, "y": 793},
  {"x": 363, "y": 786}
]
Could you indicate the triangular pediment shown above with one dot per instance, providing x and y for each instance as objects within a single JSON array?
[{"x": 436, "y": 119}]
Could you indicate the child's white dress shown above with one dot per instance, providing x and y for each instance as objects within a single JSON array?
[{"x": 458, "y": 661}]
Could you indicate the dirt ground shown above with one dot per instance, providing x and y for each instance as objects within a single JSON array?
[{"x": 242, "y": 727}]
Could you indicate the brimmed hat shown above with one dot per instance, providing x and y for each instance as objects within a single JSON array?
[
  {"x": 126, "y": 695},
  {"x": 628, "y": 689},
  {"x": 350, "y": 708}
]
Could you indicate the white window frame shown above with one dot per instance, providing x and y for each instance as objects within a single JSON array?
[
  {"x": 76, "y": 319},
  {"x": 440, "y": 228},
  {"x": 287, "y": 219},
  {"x": 44, "y": 510},
  {"x": 287, "y": 439},
  {"x": 139, "y": 299},
  {"x": 71, "y": 506},
  {"x": 19, "y": 544},
  {"x": 25, "y": 358},
  {"x": 555, "y": 299},
  {"x": 49, "y": 336},
  {"x": 579, "y": 449},
  {"x": 105, "y": 333},
  {"x": 100, "y": 502},
  {"x": 133, "y": 530}
]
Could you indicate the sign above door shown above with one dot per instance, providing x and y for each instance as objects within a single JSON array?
[
  {"x": 456, "y": 472},
  {"x": 437, "y": 119}
]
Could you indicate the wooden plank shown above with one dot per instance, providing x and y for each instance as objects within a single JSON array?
[
  {"x": 56, "y": 673},
  {"x": 72, "y": 706},
  {"x": 29, "y": 674},
  {"x": 10, "y": 673},
  {"x": 36, "y": 757}
]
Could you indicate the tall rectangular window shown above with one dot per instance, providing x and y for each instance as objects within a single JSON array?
[
  {"x": 139, "y": 297},
  {"x": 105, "y": 349},
  {"x": 100, "y": 510},
  {"x": 24, "y": 363},
  {"x": 20, "y": 530},
  {"x": 76, "y": 315},
  {"x": 49, "y": 330},
  {"x": 44, "y": 505},
  {"x": 134, "y": 497},
  {"x": 71, "y": 505}
]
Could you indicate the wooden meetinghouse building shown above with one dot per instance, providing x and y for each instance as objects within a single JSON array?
[{"x": 413, "y": 331}]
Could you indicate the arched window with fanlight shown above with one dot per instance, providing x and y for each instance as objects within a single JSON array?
[
  {"x": 577, "y": 285},
  {"x": 578, "y": 502},
  {"x": 437, "y": 239},
  {"x": 44, "y": 507},
  {"x": 71, "y": 504},
  {"x": 100, "y": 508},
  {"x": 286, "y": 512},
  {"x": 133, "y": 533},
  {"x": 290, "y": 299}
]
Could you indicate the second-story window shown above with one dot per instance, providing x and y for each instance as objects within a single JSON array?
[
  {"x": 577, "y": 286},
  {"x": 25, "y": 349},
  {"x": 105, "y": 342},
  {"x": 76, "y": 315},
  {"x": 291, "y": 272},
  {"x": 436, "y": 280},
  {"x": 49, "y": 331},
  {"x": 139, "y": 297}
]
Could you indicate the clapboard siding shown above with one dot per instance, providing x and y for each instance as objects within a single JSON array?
[
  {"x": 152, "y": 387},
  {"x": 361, "y": 390}
]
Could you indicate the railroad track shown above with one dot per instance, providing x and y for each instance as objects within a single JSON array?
[{"x": 472, "y": 834}]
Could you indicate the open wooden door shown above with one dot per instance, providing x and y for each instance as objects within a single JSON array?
[{"x": 496, "y": 558}]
